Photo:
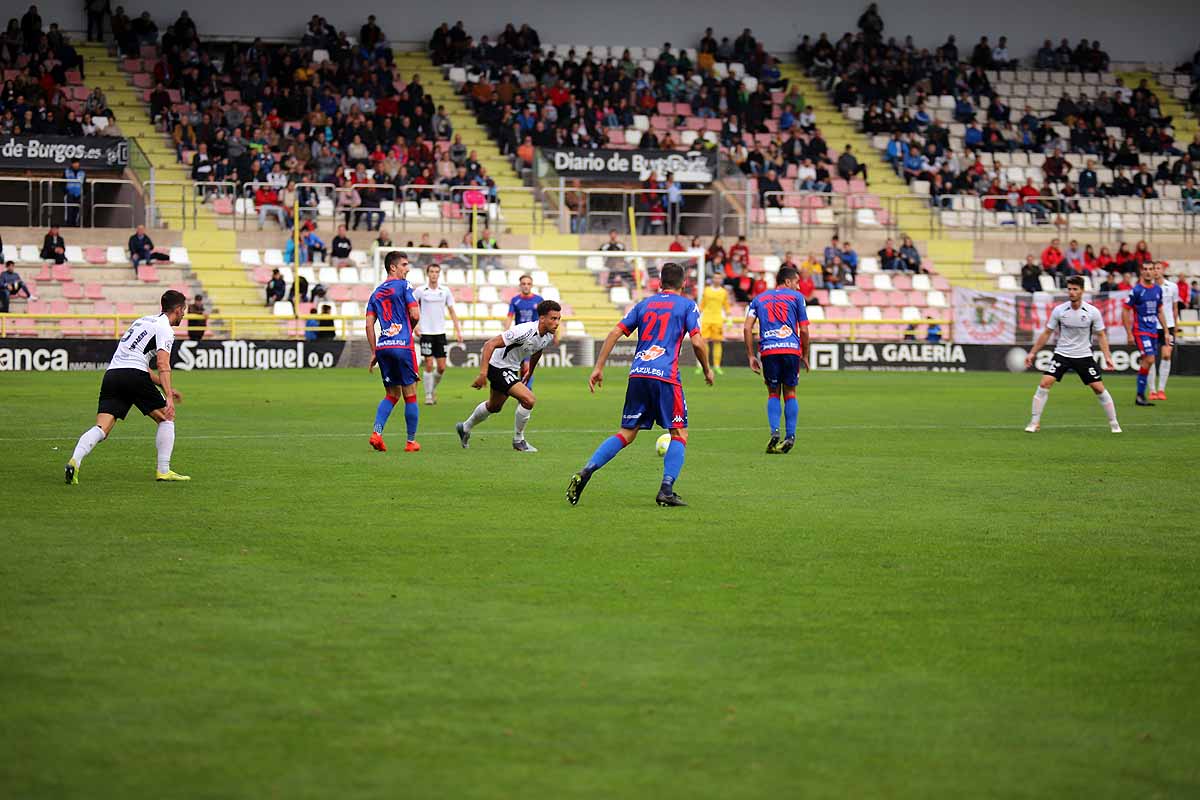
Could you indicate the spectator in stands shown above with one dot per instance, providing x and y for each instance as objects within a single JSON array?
[
  {"x": 740, "y": 250},
  {"x": 73, "y": 192},
  {"x": 715, "y": 255},
  {"x": 266, "y": 200},
  {"x": 141, "y": 249},
  {"x": 674, "y": 208},
  {"x": 910, "y": 257},
  {"x": 202, "y": 164},
  {"x": 813, "y": 266},
  {"x": 312, "y": 244},
  {"x": 96, "y": 10},
  {"x": 618, "y": 269},
  {"x": 835, "y": 274},
  {"x": 807, "y": 287},
  {"x": 933, "y": 331},
  {"x": 54, "y": 249},
  {"x": 1052, "y": 258},
  {"x": 1190, "y": 196},
  {"x": 1111, "y": 282},
  {"x": 848, "y": 166},
  {"x": 275, "y": 287},
  {"x": 340, "y": 249},
  {"x": 1030, "y": 275},
  {"x": 197, "y": 318},
  {"x": 11, "y": 285},
  {"x": 1142, "y": 254},
  {"x": 889, "y": 257},
  {"x": 770, "y": 190},
  {"x": 850, "y": 258}
]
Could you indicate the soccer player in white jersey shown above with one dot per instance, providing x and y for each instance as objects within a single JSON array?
[
  {"x": 1160, "y": 370},
  {"x": 507, "y": 363},
  {"x": 129, "y": 381},
  {"x": 436, "y": 301},
  {"x": 1075, "y": 321}
]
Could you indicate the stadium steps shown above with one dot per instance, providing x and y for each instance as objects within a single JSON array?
[
  {"x": 520, "y": 213},
  {"x": 1184, "y": 124},
  {"x": 912, "y": 215},
  {"x": 575, "y": 283}
]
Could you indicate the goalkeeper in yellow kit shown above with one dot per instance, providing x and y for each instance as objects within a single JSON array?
[{"x": 714, "y": 307}]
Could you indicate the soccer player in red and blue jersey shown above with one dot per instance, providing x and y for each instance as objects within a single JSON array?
[
  {"x": 397, "y": 311},
  {"x": 654, "y": 394},
  {"x": 1143, "y": 316},
  {"x": 783, "y": 347}
]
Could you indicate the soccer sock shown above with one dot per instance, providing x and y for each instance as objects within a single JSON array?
[
  {"x": 1110, "y": 408},
  {"x": 477, "y": 416},
  {"x": 791, "y": 412},
  {"x": 383, "y": 412},
  {"x": 605, "y": 453},
  {"x": 437, "y": 377},
  {"x": 164, "y": 440},
  {"x": 90, "y": 438},
  {"x": 1152, "y": 377},
  {"x": 673, "y": 463},
  {"x": 1143, "y": 373},
  {"x": 427, "y": 379},
  {"x": 1039, "y": 402},
  {"x": 718, "y": 351},
  {"x": 411, "y": 415},
  {"x": 520, "y": 420},
  {"x": 1164, "y": 372},
  {"x": 774, "y": 411}
]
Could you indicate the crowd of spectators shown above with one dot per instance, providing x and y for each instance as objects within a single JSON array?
[
  {"x": 35, "y": 100},
  {"x": 1113, "y": 271}
]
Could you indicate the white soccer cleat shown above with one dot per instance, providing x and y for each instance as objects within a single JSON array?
[
  {"x": 1032, "y": 427},
  {"x": 1115, "y": 428},
  {"x": 522, "y": 446}
]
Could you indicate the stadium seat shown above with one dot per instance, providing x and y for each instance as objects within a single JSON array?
[
  {"x": 456, "y": 277},
  {"x": 12, "y": 253},
  {"x": 72, "y": 291},
  {"x": 910, "y": 314},
  {"x": 492, "y": 327},
  {"x": 95, "y": 255},
  {"x": 115, "y": 255},
  {"x": 550, "y": 293},
  {"x": 871, "y": 314},
  {"x": 307, "y": 273},
  {"x": 527, "y": 262},
  {"x": 94, "y": 291},
  {"x": 1007, "y": 283},
  {"x": 575, "y": 328},
  {"x": 540, "y": 277},
  {"x": 262, "y": 275},
  {"x": 937, "y": 300},
  {"x": 619, "y": 296},
  {"x": 29, "y": 254},
  {"x": 883, "y": 281},
  {"x": 498, "y": 310},
  {"x": 327, "y": 275},
  {"x": 283, "y": 308},
  {"x": 179, "y": 255},
  {"x": 839, "y": 297},
  {"x": 1047, "y": 283},
  {"x": 273, "y": 258},
  {"x": 348, "y": 275},
  {"x": 816, "y": 313},
  {"x": 74, "y": 253},
  {"x": 147, "y": 273},
  {"x": 251, "y": 258},
  {"x": 489, "y": 294},
  {"x": 921, "y": 283}
]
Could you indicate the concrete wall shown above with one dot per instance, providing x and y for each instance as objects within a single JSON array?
[{"x": 1152, "y": 30}]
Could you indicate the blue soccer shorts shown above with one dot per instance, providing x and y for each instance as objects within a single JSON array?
[
  {"x": 398, "y": 366},
  {"x": 783, "y": 368},
  {"x": 649, "y": 402},
  {"x": 1147, "y": 343}
]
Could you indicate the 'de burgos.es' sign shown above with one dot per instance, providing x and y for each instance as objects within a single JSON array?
[
  {"x": 44, "y": 152},
  {"x": 632, "y": 165}
]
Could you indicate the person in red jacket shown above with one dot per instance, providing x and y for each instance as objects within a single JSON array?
[
  {"x": 1141, "y": 254},
  {"x": 266, "y": 200},
  {"x": 740, "y": 250},
  {"x": 1052, "y": 258}
]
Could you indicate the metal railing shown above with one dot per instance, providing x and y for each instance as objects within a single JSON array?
[
  {"x": 46, "y": 202},
  {"x": 599, "y": 209},
  {"x": 94, "y": 187}
]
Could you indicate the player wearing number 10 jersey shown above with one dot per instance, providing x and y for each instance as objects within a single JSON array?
[
  {"x": 783, "y": 336},
  {"x": 654, "y": 394}
]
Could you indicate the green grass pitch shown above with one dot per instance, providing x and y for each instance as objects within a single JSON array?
[{"x": 920, "y": 601}]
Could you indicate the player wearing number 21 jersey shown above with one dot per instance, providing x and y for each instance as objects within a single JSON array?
[
  {"x": 783, "y": 346},
  {"x": 394, "y": 307},
  {"x": 654, "y": 395}
]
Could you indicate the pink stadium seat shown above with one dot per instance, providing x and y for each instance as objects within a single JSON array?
[
  {"x": 306, "y": 308},
  {"x": 814, "y": 201},
  {"x": 95, "y": 255},
  {"x": 131, "y": 64},
  {"x": 763, "y": 139},
  {"x": 103, "y": 307},
  {"x": 126, "y": 309},
  {"x": 822, "y": 296},
  {"x": 222, "y": 205},
  {"x": 712, "y": 124},
  {"x": 59, "y": 307},
  {"x": 174, "y": 95},
  {"x": 792, "y": 170},
  {"x": 262, "y": 275},
  {"x": 232, "y": 95},
  {"x": 808, "y": 217},
  {"x": 96, "y": 327},
  {"x": 771, "y": 125},
  {"x": 73, "y": 77},
  {"x": 149, "y": 51},
  {"x": 880, "y": 299},
  {"x": 465, "y": 294},
  {"x": 795, "y": 200},
  {"x": 840, "y": 186},
  {"x": 362, "y": 293},
  {"x": 60, "y": 273},
  {"x": 45, "y": 274},
  {"x": 758, "y": 216},
  {"x": 684, "y": 109},
  {"x": 916, "y": 299},
  {"x": 37, "y": 307},
  {"x": 616, "y": 136},
  {"x": 508, "y": 293},
  {"x": 902, "y": 282},
  {"x": 148, "y": 273},
  {"x": 452, "y": 210},
  {"x": 884, "y": 217},
  {"x": 941, "y": 284},
  {"x": 143, "y": 80},
  {"x": 666, "y": 109},
  {"x": 858, "y": 186},
  {"x": 93, "y": 291},
  {"x": 341, "y": 293},
  {"x": 22, "y": 327},
  {"x": 660, "y": 123},
  {"x": 70, "y": 327},
  {"x": 72, "y": 291}
]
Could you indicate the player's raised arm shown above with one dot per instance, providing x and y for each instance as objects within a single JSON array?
[
  {"x": 748, "y": 335},
  {"x": 485, "y": 358}
]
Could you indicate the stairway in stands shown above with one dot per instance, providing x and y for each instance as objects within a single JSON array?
[
  {"x": 521, "y": 213},
  {"x": 212, "y": 251},
  {"x": 953, "y": 258}
]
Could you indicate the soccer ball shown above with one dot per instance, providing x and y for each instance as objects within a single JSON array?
[{"x": 661, "y": 444}]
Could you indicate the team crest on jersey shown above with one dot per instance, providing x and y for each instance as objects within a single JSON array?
[
  {"x": 650, "y": 354},
  {"x": 779, "y": 333}
]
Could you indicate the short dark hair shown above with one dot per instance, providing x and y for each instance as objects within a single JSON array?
[
  {"x": 172, "y": 299},
  {"x": 546, "y": 306},
  {"x": 198, "y": 297},
  {"x": 523, "y": 277},
  {"x": 786, "y": 274},
  {"x": 1075, "y": 280},
  {"x": 671, "y": 276},
  {"x": 393, "y": 257}
]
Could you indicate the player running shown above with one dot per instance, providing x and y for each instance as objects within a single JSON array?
[
  {"x": 435, "y": 302},
  {"x": 714, "y": 307},
  {"x": 783, "y": 343},
  {"x": 1143, "y": 318},
  {"x": 1161, "y": 370},
  {"x": 396, "y": 309},
  {"x": 129, "y": 381},
  {"x": 654, "y": 394},
  {"x": 1075, "y": 322},
  {"x": 523, "y": 309},
  {"x": 507, "y": 363}
]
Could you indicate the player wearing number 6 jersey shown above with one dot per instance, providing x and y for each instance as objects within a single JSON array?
[
  {"x": 654, "y": 394},
  {"x": 1075, "y": 321},
  {"x": 507, "y": 363},
  {"x": 396, "y": 310},
  {"x": 783, "y": 344}
]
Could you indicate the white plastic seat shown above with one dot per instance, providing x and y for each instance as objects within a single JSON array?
[
  {"x": 868, "y": 264},
  {"x": 273, "y": 258},
  {"x": 283, "y": 308},
  {"x": 488, "y": 294},
  {"x": 771, "y": 263},
  {"x": 114, "y": 254},
  {"x": 251, "y": 258},
  {"x": 285, "y": 272},
  {"x": 594, "y": 263},
  {"x": 816, "y": 314},
  {"x": 498, "y": 310},
  {"x": 619, "y": 295},
  {"x": 910, "y": 314},
  {"x": 540, "y": 277},
  {"x": 993, "y": 266},
  {"x": 1006, "y": 283},
  {"x": 921, "y": 283},
  {"x": 456, "y": 277},
  {"x": 360, "y": 258},
  {"x": 307, "y": 273},
  {"x": 327, "y": 275},
  {"x": 348, "y": 275},
  {"x": 871, "y": 314},
  {"x": 179, "y": 255},
  {"x": 935, "y": 299},
  {"x": 29, "y": 254},
  {"x": 527, "y": 262},
  {"x": 839, "y": 297},
  {"x": 575, "y": 328},
  {"x": 497, "y": 277},
  {"x": 74, "y": 253},
  {"x": 551, "y": 293},
  {"x": 492, "y": 327},
  {"x": 883, "y": 282},
  {"x": 1047, "y": 283}
]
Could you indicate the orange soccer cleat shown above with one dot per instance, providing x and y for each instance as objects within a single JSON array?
[
  {"x": 1162, "y": 395},
  {"x": 412, "y": 447},
  {"x": 376, "y": 441}
]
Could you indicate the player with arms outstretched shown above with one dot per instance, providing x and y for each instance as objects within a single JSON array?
[
  {"x": 654, "y": 394},
  {"x": 783, "y": 345},
  {"x": 1076, "y": 322},
  {"x": 1161, "y": 369},
  {"x": 393, "y": 305},
  {"x": 129, "y": 381},
  {"x": 436, "y": 301},
  {"x": 507, "y": 364},
  {"x": 1143, "y": 318}
]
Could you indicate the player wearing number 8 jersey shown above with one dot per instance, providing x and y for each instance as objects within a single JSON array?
[
  {"x": 1143, "y": 317},
  {"x": 1075, "y": 321},
  {"x": 654, "y": 394},
  {"x": 396, "y": 309},
  {"x": 783, "y": 346}
]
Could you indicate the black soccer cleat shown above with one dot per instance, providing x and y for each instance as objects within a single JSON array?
[
  {"x": 787, "y": 445},
  {"x": 71, "y": 472},
  {"x": 669, "y": 499},
  {"x": 773, "y": 445},
  {"x": 464, "y": 436},
  {"x": 575, "y": 488},
  {"x": 1142, "y": 401}
]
